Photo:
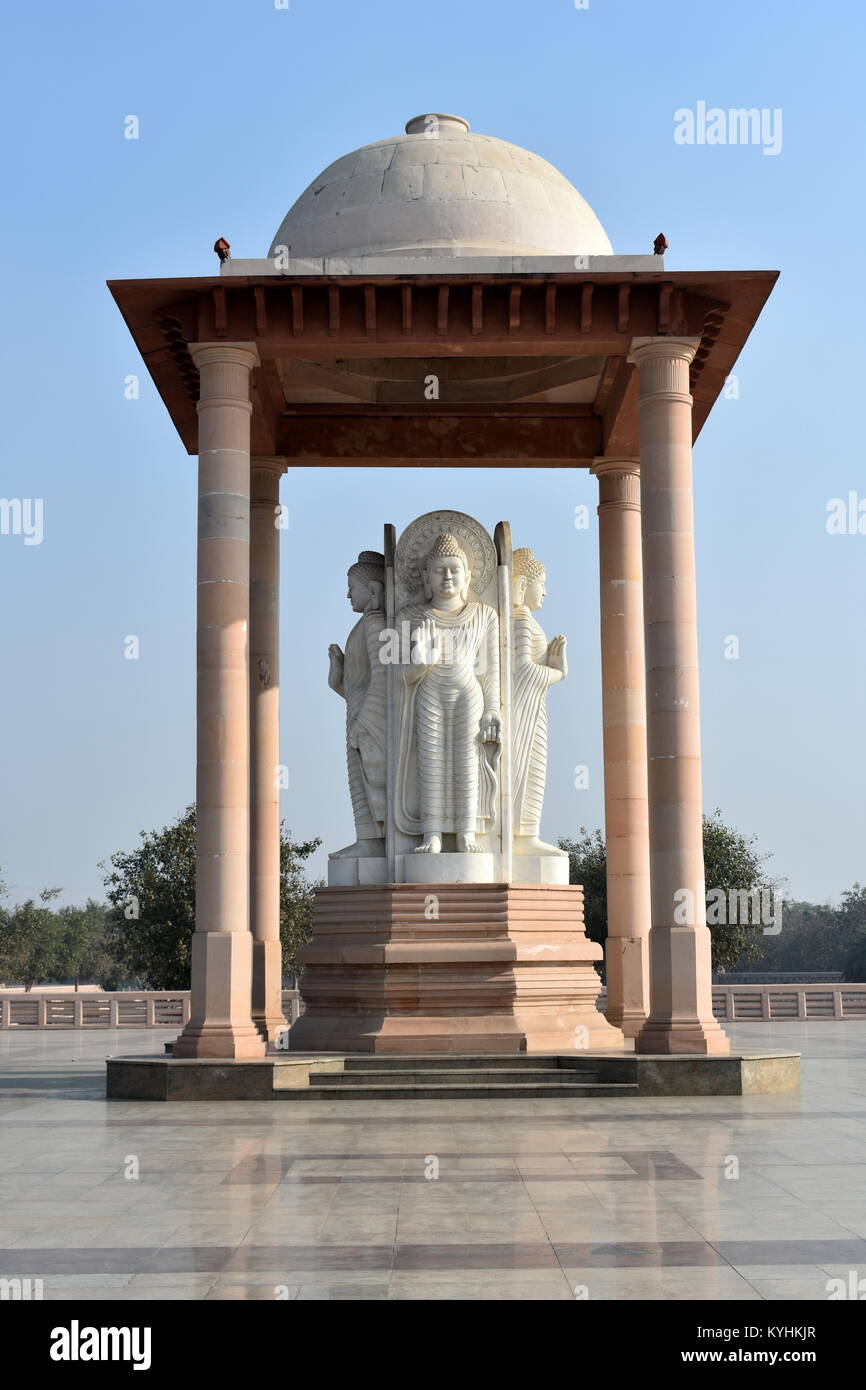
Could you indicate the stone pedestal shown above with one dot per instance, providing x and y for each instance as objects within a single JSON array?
[
  {"x": 450, "y": 968},
  {"x": 449, "y": 868},
  {"x": 446, "y": 868}
]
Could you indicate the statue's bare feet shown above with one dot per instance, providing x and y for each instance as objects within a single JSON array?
[
  {"x": 466, "y": 845},
  {"x": 361, "y": 849},
  {"x": 431, "y": 845},
  {"x": 530, "y": 844}
]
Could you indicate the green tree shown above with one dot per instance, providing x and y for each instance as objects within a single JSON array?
[
  {"x": 30, "y": 941},
  {"x": 587, "y": 865},
  {"x": 82, "y": 951},
  {"x": 296, "y": 899},
  {"x": 731, "y": 862},
  {"x": 151, "y": 893},
  {"x": 852, "y": 915},
  {"x": 813, "y": 937},
  {"x": 151, "y": 897}
]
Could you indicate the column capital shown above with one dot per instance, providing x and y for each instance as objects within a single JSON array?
[
  {"x": 224, "y": 374},
  {"x": 618, "y": 482},
  {"x": 273, "y": 463},
  {"x": 237, "y": 354},
  {"x": 265, "y": 473},
  {"x": 606, "y": 464},
  {"x": 646, "y": 349}
]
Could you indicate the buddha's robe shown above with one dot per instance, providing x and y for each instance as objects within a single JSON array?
[
  {"x": 364, "y": 689},
  {"x": 531, "y": 676},
  {"x": 446, "y": 779}
]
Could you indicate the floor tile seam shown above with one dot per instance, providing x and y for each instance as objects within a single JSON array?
[{"x": 547, "y": 1236}]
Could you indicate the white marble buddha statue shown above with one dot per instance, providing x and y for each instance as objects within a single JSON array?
[
  {"x": 537, "y": 664},
  {"x": 359, "y": 677},
  {"x": 449, "y": 708}
]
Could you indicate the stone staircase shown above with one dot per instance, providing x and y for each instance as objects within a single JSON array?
[{"x": 456, "y": 1077}]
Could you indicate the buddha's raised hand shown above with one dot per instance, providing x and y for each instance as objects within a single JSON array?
[
  {"x": 426, "y": 646},
  {"x": 335, "y": 673},
  {"x": 556, "y": 657}
]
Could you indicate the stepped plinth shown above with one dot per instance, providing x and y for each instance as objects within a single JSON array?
[{"x": 450, "y": 968}]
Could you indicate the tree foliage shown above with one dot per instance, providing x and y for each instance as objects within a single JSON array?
[
  {"x": 587, "y": 865},
  {"x": 30, "y": 941},
  {"x": 813, "y": 938},
  {"x": 43, "y": 945},
  {"x": 731, "y": 862},
  {"x": 151, "y": 892},
  {"x": 852, "y": 924},
  {"x": 84, "y": 952},
  {"x": 151, "y": 897},
  {"x": 296, "y": 899}
]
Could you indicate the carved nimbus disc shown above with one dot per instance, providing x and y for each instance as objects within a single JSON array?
[{"x": 419, "y": 537}]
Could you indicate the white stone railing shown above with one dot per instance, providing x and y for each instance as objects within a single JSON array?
[
  {"x": 170, "y": 1008},
  {"x": 127, "y": 1009},
  {"x": 775, "y": 1003}
]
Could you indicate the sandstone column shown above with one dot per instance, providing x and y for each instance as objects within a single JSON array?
[
  {"x": 265, "y": 746},
  {"x": 625, "y": 756},
  {"x": 681, "y": 1015},
  {"x": 220, "y": 1023}
]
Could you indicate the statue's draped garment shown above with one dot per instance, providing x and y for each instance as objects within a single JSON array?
[
  {"x": 531, "y": 679},
  {"x": 445, "y": 780},
  {"x": 364, "y": 689}
]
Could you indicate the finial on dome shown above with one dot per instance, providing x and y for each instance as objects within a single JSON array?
[{"x": 432, "y": 123}]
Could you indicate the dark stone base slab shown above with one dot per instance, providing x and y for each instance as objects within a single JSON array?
[
  {"x": 269, "y": 1078},
  {"x": 739, "y": 1074}
]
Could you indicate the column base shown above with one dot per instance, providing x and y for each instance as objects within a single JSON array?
[
  {"x": 681, "y": 1015},
  {"x": 215, "y": 1040},
  {"x": 630, "y": 1023},
  {"x": 271, "y": 1029},
  {"x": 626, "y": 958},
  {"x": 689, "y": 1035},
  {"x": 221, "y": 1025},
  {"x": 268, "y": 989}
]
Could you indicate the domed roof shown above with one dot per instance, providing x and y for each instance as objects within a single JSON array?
[{"x": 440, "y": 190}]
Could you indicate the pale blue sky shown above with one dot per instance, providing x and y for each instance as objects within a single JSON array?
[{"x": 240, "y": 106}]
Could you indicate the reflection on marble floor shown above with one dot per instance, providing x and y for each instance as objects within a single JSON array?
[{"x": 670, "y": 1198}]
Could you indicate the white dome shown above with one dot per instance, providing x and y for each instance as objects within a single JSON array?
[{"x": 439, "y": 190}]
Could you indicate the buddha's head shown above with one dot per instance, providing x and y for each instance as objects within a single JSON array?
[
  {"x": 367, "y": 582},
  {"x": 529, "y": 580},
  {"x": 446, "y": 571}
]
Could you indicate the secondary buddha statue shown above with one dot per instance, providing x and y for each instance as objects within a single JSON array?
[
  {"x": 448, "y": 708},
  {"x": 359, "y": 676},
  {"x": 537, "y": 664}
]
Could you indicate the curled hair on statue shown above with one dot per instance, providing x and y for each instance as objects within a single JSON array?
[
  {"x": 369, "y": 568},
  {"x": 525, "y": 568},
  {"x": 445, "y": 547}
]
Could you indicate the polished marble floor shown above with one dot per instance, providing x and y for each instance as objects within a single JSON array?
[{"x": 697, "y": 1198}]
